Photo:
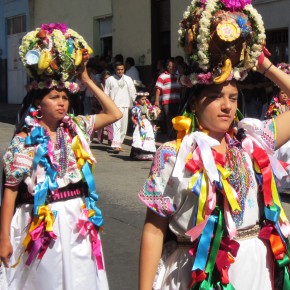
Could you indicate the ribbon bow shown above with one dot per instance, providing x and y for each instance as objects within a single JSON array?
[
  {"x": 182, "y": 125},
  {"x": 40, "y": 234},
  {"x": 81, "y": 155},
  {"x": 85, "y": 227}
]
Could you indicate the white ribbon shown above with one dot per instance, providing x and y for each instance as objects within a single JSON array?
[
  {"x": 251, "y": 126},
  {"x": 188, "y": 145}
]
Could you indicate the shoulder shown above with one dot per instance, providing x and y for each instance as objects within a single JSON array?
[{"x": 164, "y": 154}]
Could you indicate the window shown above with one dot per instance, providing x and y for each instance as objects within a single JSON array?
[
  {"x": 16, "y": 24},
  {"x": 105, "y": 35},
  {"x": 277, "y": 43}
]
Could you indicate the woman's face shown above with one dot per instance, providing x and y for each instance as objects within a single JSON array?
[
  {"x": 105, "y": 78},
  {"x": 142, "y": 101},
  {"x": 54, "y": 106},
  {"x": 283, "y": 98},
  {"x": 216, "y": 107}
]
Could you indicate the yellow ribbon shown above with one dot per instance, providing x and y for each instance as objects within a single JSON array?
[
  {"x": 193, "y": 180},
  {"x": 276, "y": 199},
  {"x": 182, "y": 125},
  {"x": 275, "y": 194},
  {"x": 227, "y": 188},
  {"x": 81, "y": 155},
  {"x": 202, "y": 200},
  {"x": 44, "y": 214}
]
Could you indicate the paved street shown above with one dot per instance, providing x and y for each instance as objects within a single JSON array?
[{"x": 118, "y": 181}]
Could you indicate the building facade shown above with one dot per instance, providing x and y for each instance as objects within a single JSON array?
[{"x": 146, "y": 30}]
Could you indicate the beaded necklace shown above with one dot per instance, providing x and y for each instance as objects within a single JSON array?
[
  {"x": 239, "y": 178},
  {"x": 61, "y": 145}
]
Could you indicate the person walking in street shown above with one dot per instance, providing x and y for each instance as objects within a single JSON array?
[
  {"x": 50, "y": 222},
  {"x": 104, "y": 76},
  {"x": 143, "y": 114},
  {"x": 167, "y": 94},
  {"x": 122, "y": 91},
  {"x": 214, "y": 218}
]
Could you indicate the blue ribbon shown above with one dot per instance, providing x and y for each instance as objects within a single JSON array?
[
  {"x": 204, "y": 244},
  {"x": 97, "y": 218},
  {"x": 37, "y": 136},
  {"x": 41, "y": 190},
  {"x": 196, "y": 188},
  {"x": 87, "y": 173},
  {"x": 272, "y": 215}
]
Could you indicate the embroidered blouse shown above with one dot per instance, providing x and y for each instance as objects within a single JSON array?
[{"x": 19, "y": 157}]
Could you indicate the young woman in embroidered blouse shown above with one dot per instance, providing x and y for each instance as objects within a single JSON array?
[
  {"x": 49, "y": 159},
  {"x": 214, "y": 194}
]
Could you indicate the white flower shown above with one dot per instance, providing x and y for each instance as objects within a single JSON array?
[
  {"x": 186, "y": 14},
  {"x": 204, "y": 22},
  {"x": 237, "y": 75}
]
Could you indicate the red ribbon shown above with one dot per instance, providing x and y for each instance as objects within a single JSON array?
[
  {"x": 262, "y": 159},
  {"x": 192, "y": 166},
  {"x": 228, "y": 249},
  {"x": 278, "y": 247}
]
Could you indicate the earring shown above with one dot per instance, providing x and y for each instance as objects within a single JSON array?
[
  {"x": 198, "y": 126},
  {"x": 39, "y": 114}
]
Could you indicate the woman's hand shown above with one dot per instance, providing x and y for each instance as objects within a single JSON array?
[
  {"x": 6, "y": 251},
  {"x": 83, "y": 75}
]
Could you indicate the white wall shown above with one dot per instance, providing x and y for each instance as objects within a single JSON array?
[
  {"x": 132, "y": 29},
  {"x": 78, "y": 15}
]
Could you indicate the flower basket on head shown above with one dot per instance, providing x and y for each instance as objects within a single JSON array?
[
  {"x": 52, "y": 55},
  {"x": 222, "y": 39}
]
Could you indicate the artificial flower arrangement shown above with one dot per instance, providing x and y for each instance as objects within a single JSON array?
[
  {"x": 52, "y": 54},
  {"x": 222, "y": 38}
]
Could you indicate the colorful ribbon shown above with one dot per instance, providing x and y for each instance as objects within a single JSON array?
[
  {"x": 40, "y": 234},
  {"x": 182, "y": 125},
  {"x": 85, "y": 227}
]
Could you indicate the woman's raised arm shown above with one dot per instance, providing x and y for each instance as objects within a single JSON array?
[{"x": 110, "y": 113}]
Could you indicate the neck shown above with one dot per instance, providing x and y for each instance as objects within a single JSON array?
[
  {"x": 50, "y": 127},
  {"x": 221, "y": 138}
]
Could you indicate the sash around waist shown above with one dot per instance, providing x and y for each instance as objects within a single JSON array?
[{"x": 72, "y": 190}]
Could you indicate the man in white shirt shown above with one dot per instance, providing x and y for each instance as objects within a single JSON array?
[
  {"x": 122, "y": 91},
  {"x": 131, "y": 69}
]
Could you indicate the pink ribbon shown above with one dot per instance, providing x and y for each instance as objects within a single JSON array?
[
  {"x": 86, "y": 227},
  {"x": 39, "y": 244}
]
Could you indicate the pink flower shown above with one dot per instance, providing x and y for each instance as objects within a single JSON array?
[
  {"x": 236, "y": 4},
  {"x": 205, "y": 79},
  {"x": 73, "y": 88},
  {"x": 51, "y": 26}
]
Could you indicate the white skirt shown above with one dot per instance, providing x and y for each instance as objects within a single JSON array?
[
  {"x": 148, "y": 144},
  {"x": 252, "y": 269},
  {"x": 67, "y": 264}
]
